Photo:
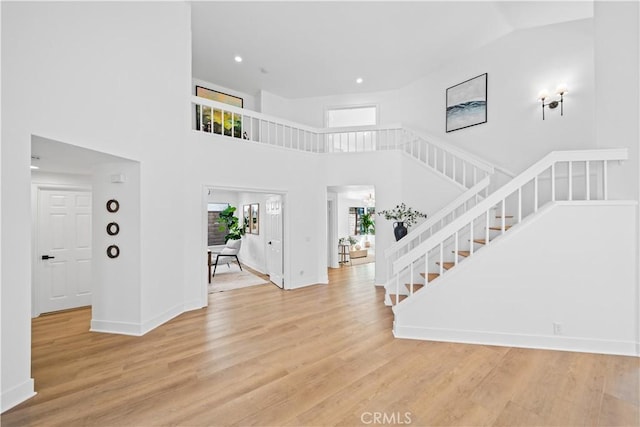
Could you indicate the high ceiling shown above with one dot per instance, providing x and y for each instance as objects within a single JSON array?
[{"x": 303, "y": 49}]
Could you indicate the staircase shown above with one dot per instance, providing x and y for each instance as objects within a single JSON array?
[{"x": 572, "y": 176}]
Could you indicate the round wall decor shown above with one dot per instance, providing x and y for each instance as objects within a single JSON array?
[
  {"x": 113, "y": 251},
  {"x": 113, "y": 205},
  {"x": 113, "y": 228}
]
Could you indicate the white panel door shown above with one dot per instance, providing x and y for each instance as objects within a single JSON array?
[
  {"x": 273, "y": 236},
  {"x": 63, "y": 278}
]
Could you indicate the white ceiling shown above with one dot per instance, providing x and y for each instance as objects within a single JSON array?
[
  {"x": 58, "y": 157},
  {"x": 303, "y": 49}
]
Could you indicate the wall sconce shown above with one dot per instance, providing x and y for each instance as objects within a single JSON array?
[{"x": 562, "y": 91}]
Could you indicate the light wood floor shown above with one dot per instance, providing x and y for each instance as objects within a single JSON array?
[{"x": 322, "y": 355}]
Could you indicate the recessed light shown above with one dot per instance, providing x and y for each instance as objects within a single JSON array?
[
  {"x": 34, "y": 167},
  {"x": 237, "y": 58},
  {"x": 359, "y": 80}
]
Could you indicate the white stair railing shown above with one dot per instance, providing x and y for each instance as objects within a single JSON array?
[
  {"x": 360, "y": 139},
  {"x": 458, "y": 165},
  {"x": 436, "y": 222},
  {"x": 249, "y": 126},
  {"x": 561, "y": 175}
]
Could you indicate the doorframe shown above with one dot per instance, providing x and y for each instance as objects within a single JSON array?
[
  {"x": 204, "y": 228},
  {"x": 36, "y": 188},
  {"x": 332, "y": 230}
]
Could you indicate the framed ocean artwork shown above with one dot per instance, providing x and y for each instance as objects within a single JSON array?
[{"x": 467, "y": 103}]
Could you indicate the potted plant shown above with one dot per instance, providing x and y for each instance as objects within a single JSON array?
[
  {"x": 402, "y": 215},
  {"x": 368, "y": 227},
  {"x": 230, "y": 223}
]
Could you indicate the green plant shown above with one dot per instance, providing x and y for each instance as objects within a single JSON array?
[
  {"x": 403, "y": 214},
  {"x": 368, "y": 224},
  {"x": 230, "y": 223}
]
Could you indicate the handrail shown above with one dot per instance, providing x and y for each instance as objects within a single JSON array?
[
  {"x": 265, "y": 129},
  {"x": 438, "y": 217},
  {"x": 465, "y": 155},
  {"x": 367, "y": 128},
  {"x": 250, "y": 113},
  {"x": 500, "y": 195},
  {"x": 504, "y": 171}
]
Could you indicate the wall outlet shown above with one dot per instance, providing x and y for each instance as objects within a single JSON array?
[{"x": 557, "y": 328}]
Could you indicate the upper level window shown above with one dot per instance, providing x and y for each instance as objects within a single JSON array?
[{"x": 352, "y": 116}]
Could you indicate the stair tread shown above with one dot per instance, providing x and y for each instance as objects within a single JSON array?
[
  {"x": 499, "y": 227},
  {"x": 480, "y": 241},
  {"x": 416, "y": 286},
  {"x": 463, "y": 253},
  {"x": 430, "y": 276},
  {"x": 446, "y": 265},
  {"x": 506, "y": 216},
  {"x": 400, "y": 298}
]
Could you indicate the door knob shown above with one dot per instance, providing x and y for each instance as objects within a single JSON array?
[{"x": 47, "y": 257}]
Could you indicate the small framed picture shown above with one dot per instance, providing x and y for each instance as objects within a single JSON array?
[
  {"x": 255, "y": 218},
  {"x": 246, "y": 218}
]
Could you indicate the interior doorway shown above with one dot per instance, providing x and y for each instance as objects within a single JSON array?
[
  {"x": 62, "y": 224},
  {"x": 350, "y": 225},
  {"x": 259, "y": 219}
]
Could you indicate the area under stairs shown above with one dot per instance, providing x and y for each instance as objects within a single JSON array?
[
  {"x": 428, "y": 277},
  {"x": 575, "y": 177}
]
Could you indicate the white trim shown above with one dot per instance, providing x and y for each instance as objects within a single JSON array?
[
  {"x": 113, "y": 327},
  {"x": 169, "y": 314},
  {"x": 17, "y": 395},
  {"x": 596, "y": 202},
  {"x": 545, "y": 342},
  {"x": 251, "y": 266},
  {"x": 193, "y": 305}
]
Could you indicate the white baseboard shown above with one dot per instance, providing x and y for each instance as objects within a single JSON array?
[
  {"x": 195, "y": 304},
  {"x": 253, "y": 267},
  {"x": 17, "y": 395},
  {"x": 151, "y": 324},
  {"x": 139, "y": 329},
  {"x": 544, "y": 342},
  {"x": 112, "y": 327}
]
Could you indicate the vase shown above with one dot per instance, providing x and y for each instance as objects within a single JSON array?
[{"x": 399, "y": 230}]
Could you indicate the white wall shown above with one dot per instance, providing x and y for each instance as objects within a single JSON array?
[
  {"x": 311, "y": 111},
  {"x": 617, "y": 66},
  {"x": 518, "y": 66},
  {"x": 217, "y": 161},
  {"x": 253, "y": 248},
  {"x": 116, "y": 293},
  {"x": 105, "y": 77},
  {"x": 225, "y": 196},
  {"x": 560, "y": 266},
  {"x": 248, "y": 101}
]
